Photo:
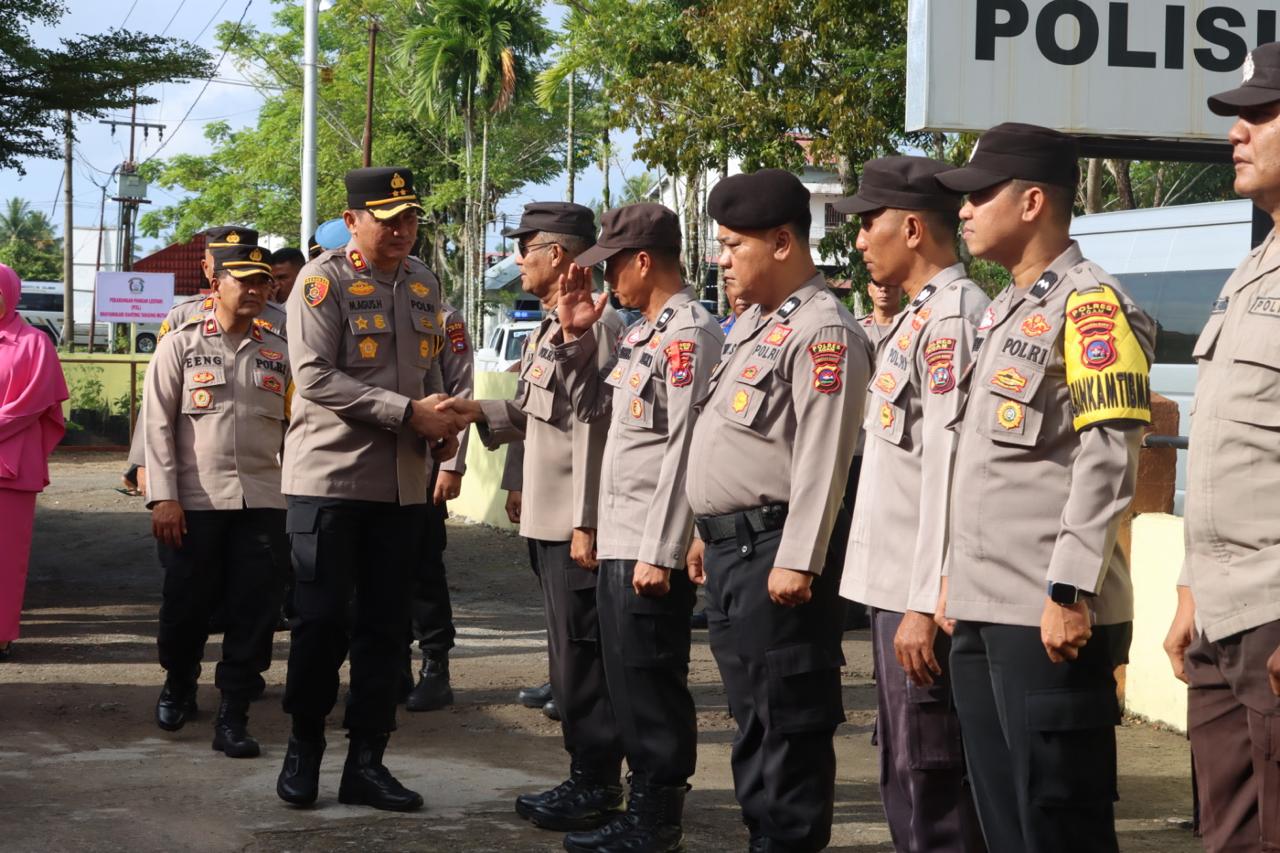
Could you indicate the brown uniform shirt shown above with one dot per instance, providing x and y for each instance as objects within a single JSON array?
[
  {"x": 1048, "y": 449},
  {"x": 457, "y": 367},
  {"x": 875, "y": 332},
  {"x": 899, "y": 534},
  {"x": 216, "y": 416},
  {"x": 363, "y": 344},
  {"x": 781, "y": 419},
  {"x": 1233, "y": 475},
  {"x": 661, "y": 369},
  {"x": 562, "y": 454}
]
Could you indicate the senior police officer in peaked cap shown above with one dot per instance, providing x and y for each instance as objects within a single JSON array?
[
  {"x": 1045, "y": 470},
  {"x": 217, "y": 408},
  {"x": 645, "y": 596},
  {"x": 365, "y": 338},
  {"x": 767, "y": 469},
  {"x": 899, "y": 533},
  {"x": 1225, "y": 638},
  {"x": 562, "y": 459}
]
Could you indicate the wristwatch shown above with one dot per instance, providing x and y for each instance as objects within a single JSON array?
[{"x": 1064, "y": 593}]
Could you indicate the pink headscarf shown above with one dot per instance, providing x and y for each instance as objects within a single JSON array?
[{"x": 32, "y": 389}]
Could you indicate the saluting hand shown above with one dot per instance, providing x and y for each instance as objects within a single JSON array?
[
  {"x": 1065, "y": 629},
  {"x": 1182, "y": 632},
  {"x": 913, "y": 647},
  {"x": 650, "y": 581},
  {"x": 168, "y": 523},
  {"x": 790, "y": 588},
  {"x": 694, "y": 561},
  {"x": 577, "y": 307}
]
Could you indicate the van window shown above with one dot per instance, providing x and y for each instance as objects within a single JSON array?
[
  {"x": 29, "y": 301},
  {"x": 515, "y": 344},
  {"x": 1180, "y": 303}
]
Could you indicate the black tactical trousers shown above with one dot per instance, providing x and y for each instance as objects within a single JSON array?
[
  {"x": 577, "y": 668},
  {"x": 432, "y": 611},
  {"x": 645, "y": 642},
  {"x": 340, "y": 547},
  {"x": 1039, "y": 737},
  {"x": 781, "y": 669},
  {"x": 235, "y": 558}
]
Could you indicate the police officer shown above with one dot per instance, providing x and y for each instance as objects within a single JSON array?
[
  {"x": 1045, "y": 470},
  {"x": 286, "y": 263},
  {"x": 899, "y": 533},
  {"x": 217, "y": 407},
  {"x": 1228, "y": 620},
  {"x": 561, "y": 482},
  {"x": 766, "y": 473},
  {"x": 644, "y": 595},
  {"x": 432, "y": 610},
  {"x": 886, "y": 304},
  {"x": 365, "y": 338}
]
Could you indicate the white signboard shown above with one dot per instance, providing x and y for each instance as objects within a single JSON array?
[
  {"x": 1091, "y": 67},
  {"x": 134, "y": 297}
]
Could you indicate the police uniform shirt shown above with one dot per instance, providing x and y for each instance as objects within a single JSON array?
[
  {"x": 897, "y": 541},
  {"x": 562, "y": 454},
  {"x": 457, "y": 368},
  {"x": 661, "y": 369},
  {"x": 363, "y": 345},
  {"x": 781, "y": 419},
  {"x": 874, "y": 331},
  {"x": 217, "y": 411},
  {"x": 1233, "y": 476},
  {"x": 1048, "y": 450}
]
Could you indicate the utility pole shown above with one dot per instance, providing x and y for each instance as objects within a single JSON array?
[
  {"x": 568, "y": 156},
  {"x": 132, "y": 189},
  {"x": 310, "y": 14},
  {"x": 68, "y": 250},
  {"x": 368, "y": 95}
]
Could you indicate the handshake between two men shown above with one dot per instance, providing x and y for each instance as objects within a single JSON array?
[{"x": 439, "y": 419}]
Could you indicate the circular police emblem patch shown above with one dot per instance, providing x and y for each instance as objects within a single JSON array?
[
  {"x": 826, "y": 378},
  {"x": 1010, "y": 415},
  {"x": 201, "y": 399},
  {"x": 1099, "y": 354}
]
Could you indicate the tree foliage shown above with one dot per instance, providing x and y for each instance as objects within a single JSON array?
[
  {"x": 27, "y": 244},
  {"x": 86, "y": 75}
]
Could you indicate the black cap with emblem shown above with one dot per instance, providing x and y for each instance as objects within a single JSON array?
[
  {"x": 634, "y": 226},
  {"x": 902, "y": 183},
  {"x": 758, "y": 200},
  {"x": 242, "y": 261},
  {"x": 222, "y": 236},
  {"x": 555, "y": 217},
  {"x": 1013, "y": 151},
  {"x": 384, "y": 191},
  {"x": 1261, "y": 84}
]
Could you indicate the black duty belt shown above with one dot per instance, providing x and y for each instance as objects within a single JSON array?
[{"x": 762, "y": 519}]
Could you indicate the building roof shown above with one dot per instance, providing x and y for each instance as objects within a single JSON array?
[{"x": 181, "y": 259}]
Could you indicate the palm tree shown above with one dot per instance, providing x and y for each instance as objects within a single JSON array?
[
  {"x": 469, "y": 58},
  {"x": 20, "y": 224}
]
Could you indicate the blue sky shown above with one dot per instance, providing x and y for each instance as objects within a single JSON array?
[{"x": 97, "y": 151}]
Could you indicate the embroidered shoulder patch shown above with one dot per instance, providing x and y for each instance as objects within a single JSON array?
[
  {"x": 1107, "y": 370},
  {"x": 680, "y": 363},
  {"x": 828, "y": 359},
  {"x": 939, "y": 354},
  {"x": 314, "y": 289}
]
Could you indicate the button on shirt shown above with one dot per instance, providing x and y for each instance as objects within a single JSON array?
[
  {"x": 216, "y": 413},
  {"x": 1233, "y": 474},
  {"x": 661, "y": 369},
  {"x": 897, "y": 541},
  {"x": 781, "y": 419},
  {"x": 363, "y": 345}
]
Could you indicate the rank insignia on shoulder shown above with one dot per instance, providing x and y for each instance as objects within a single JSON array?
[
  {"x": 988, "y": 319},
  {"x": 419, "y": 290},
  {"x": 664, "y": 318},
  {"x": 361, "y": 288},
  {"x": 789, "y": 307},
  {"x": 210, "y": 327},
  {"x": 314, "y": 290},
  {"x": 163, "y": 330},
  {"x": 206, "y": 304},
  {"x": 1044, "y": 284},
  {"x": 263, "y": 324},
  {"x": 256, "y": 333},
  {"x": 357, "y": 260},
  {"x": 201, "y": 398},
  {"x": 368, "y": 347},
  {"x": 779, "y": 334},
  {"x": 1035, "y": 326},
  {"x": 923, "y": 296},
  {"x": 1010, "y": 415}
]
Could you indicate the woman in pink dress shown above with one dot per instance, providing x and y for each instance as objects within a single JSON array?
[{"x": 32, "y": 389}]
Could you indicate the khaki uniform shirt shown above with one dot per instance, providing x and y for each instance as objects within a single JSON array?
[
  {"x": 781, "y": 419},
  {"x": 875, "y": 332},
  {"x": 562, "y": 454},
  {"x": 363, "y": 344},
  {"x": 1233, "y": 474},
  {"x": 661, "y": 369},
  {"x": 217, "y": 410},
  {"x": 1048, "y": 451},
  {"x": 457, "y": 367},
  {"x": 898, "y": 538}
]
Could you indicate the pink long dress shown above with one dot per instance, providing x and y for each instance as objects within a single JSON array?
[{"x": 32, "y": 389}]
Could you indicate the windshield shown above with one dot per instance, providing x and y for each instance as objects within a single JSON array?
[{"x": 515, "y": 344}]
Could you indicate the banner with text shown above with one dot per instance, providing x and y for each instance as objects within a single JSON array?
[{"x": 134, "y": 297}]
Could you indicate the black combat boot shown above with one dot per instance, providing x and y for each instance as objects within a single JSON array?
[
  {"x": 551, "y": 710},
  {"x": 589, "y": 798},
  {"x": 299, "y": 780},
  {"x": 177, "y": 702},
  {"x": 652, "y": 824},
  {"x": 432, "y": 691},
  {"x": 534, "y": 697},
  {"x": 366, "y": 782},
  {"x": 231, "y": 730}
]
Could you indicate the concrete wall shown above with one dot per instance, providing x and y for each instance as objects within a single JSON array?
[
  {"x": 1151, "y": 690},
  {"x": 482, "y": 498}
]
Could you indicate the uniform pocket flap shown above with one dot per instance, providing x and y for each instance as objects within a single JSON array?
[
  {"x": 1014, "y": 382},
  {"x": 205, "y": 376},
  {"x": 888, "y": 385},
  {"x": 301, "y": 518},
  {"x": 755, "y": 372},
  {"x": 1068, "y": 710},
  {"x": 540, "y": 372}
]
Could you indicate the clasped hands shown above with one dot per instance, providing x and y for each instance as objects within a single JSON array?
[{"x": 439, "y": 418}]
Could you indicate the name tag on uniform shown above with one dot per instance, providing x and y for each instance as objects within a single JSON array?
[{"x": 1268, "y": 306}]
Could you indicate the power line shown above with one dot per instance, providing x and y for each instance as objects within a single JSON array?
[
  {"x": 174, "y": 17},
  {"x": 211, "y": 19},
  {"x": 128, "y": 14}
]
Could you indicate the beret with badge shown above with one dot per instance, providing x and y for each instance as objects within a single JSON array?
[
  {"x": 758, "y": 200},
  {"x": 555, "y": 217},
  {"x": 1014, "y": 151},
  {"x": 384, "y": 191},
  {"x": 902, "y": 183},
  {"x": 634, "y": 226},
  {"x": 1261, "y": 84}
]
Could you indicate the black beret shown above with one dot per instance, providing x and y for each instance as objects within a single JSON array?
[
  {"x": 383, "y": 191},
  {"x": 1013, "y": 151},
  {"x": 556, "y": 217},
  {"x": 229, "y": 235},
  {"x": 903, "y": 183},
  {"x": 764, "y": 199},
  {"x": 1261, "y": 84},
  {"x": 633, "y": 226}
]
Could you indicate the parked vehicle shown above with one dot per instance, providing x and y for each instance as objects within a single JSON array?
[
  {"x": 41, "y": 305},
  {"x": 505, "y": 345}
]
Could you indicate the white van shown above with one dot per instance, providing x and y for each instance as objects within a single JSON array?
[{"x": 1173, "y": 261}]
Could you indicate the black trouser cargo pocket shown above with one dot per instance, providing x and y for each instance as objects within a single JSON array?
[
  {"x": 935, "y": 742},
  {"x": 1072, "y": 746},
  {"x": 301, "y": 524},
  {"x": 804, "y": 689},
  {"x": 658, "y": 628}
]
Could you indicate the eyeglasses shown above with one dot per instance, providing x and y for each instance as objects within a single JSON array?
[{"x": 525, "y": 250}]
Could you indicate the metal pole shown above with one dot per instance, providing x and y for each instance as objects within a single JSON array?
[
  {"x": 68, "y": 252},
  {"x": 568, "y": 152},
  {"x": 310, "y": 14},
  {"x": 368, "y": 95}
]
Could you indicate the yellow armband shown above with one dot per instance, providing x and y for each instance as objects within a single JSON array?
[{"x": 1107, "y": 370}]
